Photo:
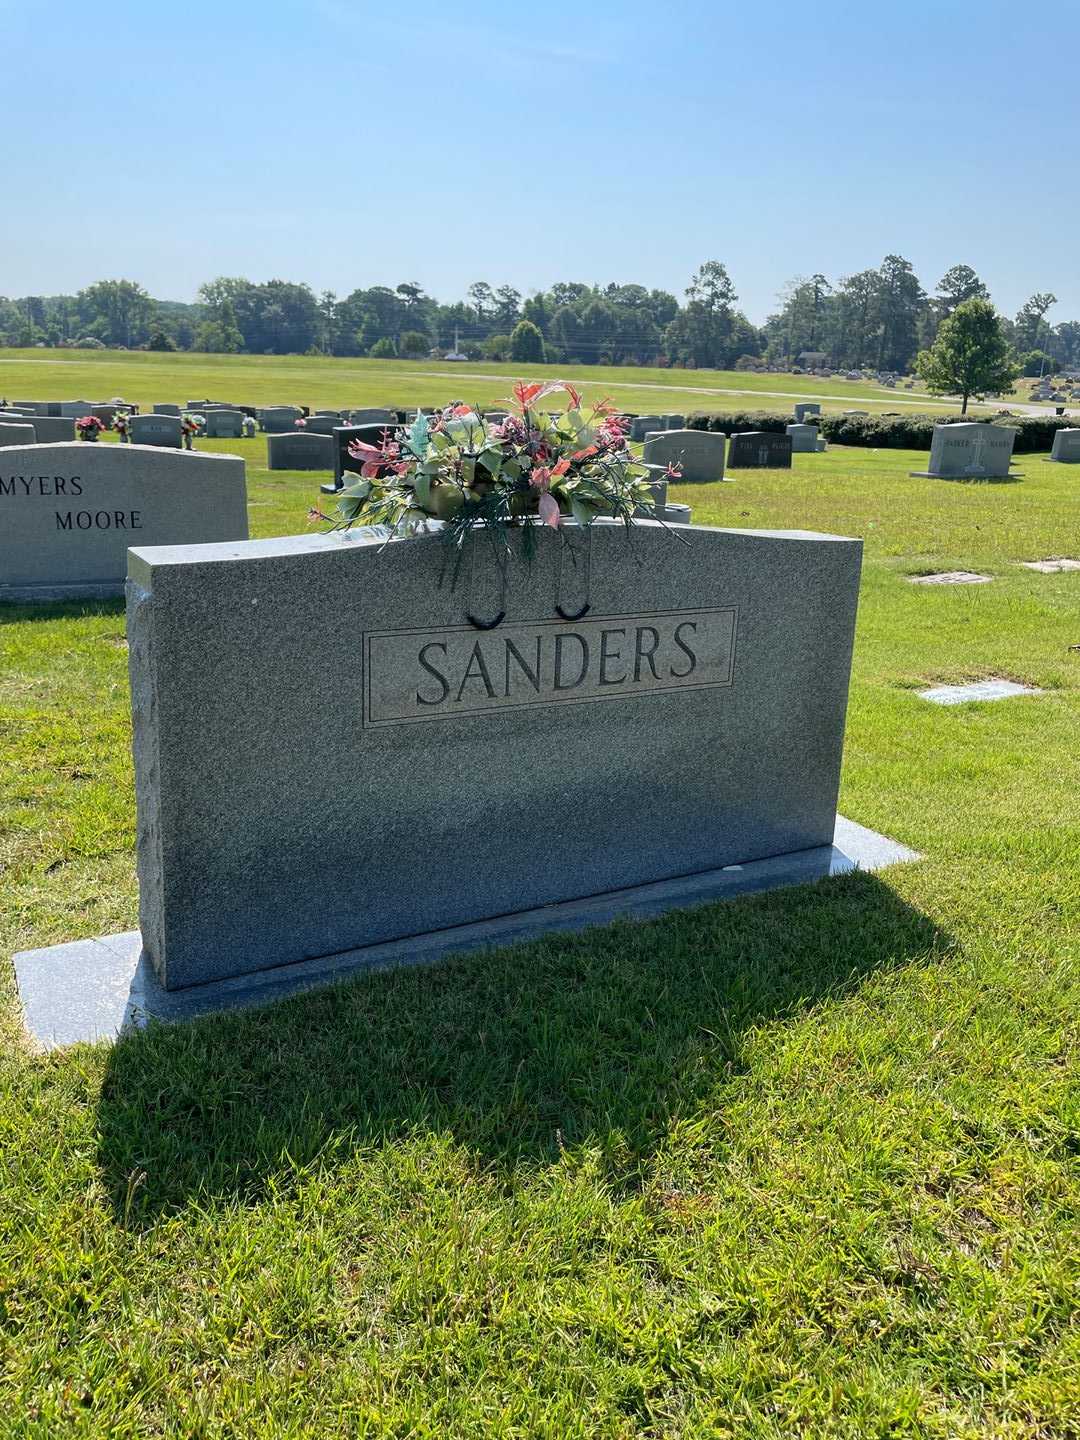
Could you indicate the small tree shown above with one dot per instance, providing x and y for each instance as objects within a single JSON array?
[
  {"x": 383, "y": 349},
  {"x": 970, "y": 357},
  {"x": 526, "y": 344},
  {"x": 1038, "y": 362},
  {"x": 414, "y": 343},
  {"x": 160, "y": 341},
  {"x": 496, "y": 347}
]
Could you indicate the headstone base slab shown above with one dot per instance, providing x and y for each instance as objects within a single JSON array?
[{"x": 90, "y": 990}]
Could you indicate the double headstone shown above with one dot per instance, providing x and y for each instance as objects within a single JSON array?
[
  {"x": 1066, "y": 447},
  {"x": 806, "y": 408},
  {"x": 759, "y": 450},
  {"x": 68, "y": 512},
  {"x": 76, "y": 409},
  {"x": 156, "y": 429},
  {"x": 224, "y": 424},
  {"x": 322, "y": 424},
  {"x": 374, "y": 415},
  {"x": 972, "y": 450},
  {"x": 276, "y": 419},
  {"x": 736, "y": 645},
  {"x": 699, "y": 453},
  {"x": 168, "y": 409},
  {"x": 300, "y": 450}
]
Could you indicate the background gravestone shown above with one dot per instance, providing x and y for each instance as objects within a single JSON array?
[
  {"x": 699, "y": 452},
  {"x": 804, "y": 439},
  {"x": 156, "y": 429},
  {"x": 344, "y": 435},
  {"x": 68, "y": 512},
  {"x": 50, "y": 429},
  {"x": 300, "y": 450},
  {"x": 322, "y": 424},
  {"x": 973, "y": 450},
  {"x": 759, "y": 450},
  {"x": 736, "y": 645},
  {"x": 224, "y": 424},
  {"x": 374, "y": 415},
  {"x": 642, "y": 424},
  {"x": 804, "y": 409},
  {"x": 75, "y": 408},
  {"x": 1066, "y": 447},
  {"x": 674, "y": 422},
  {"x": 276, "y": 419},
  {"x": 166, "y": 409},
  {"x": 17, "y": 434}
]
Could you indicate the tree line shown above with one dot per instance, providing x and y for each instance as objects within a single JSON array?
[{"x": 878, "y": 319}]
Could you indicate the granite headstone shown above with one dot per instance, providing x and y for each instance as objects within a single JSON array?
[
  {"x": 68, "y": 512},
  {"x": 224, "y": 424},
  {"x": 759, "y": 450},
  {"x": 736, "y": 645},
  {"x": 1066, "y": 447},
  {"x": 972, "y": 450},
  {"x": 300, "y": 450},
  {"x": 804, "y": 439},
  {"x": 699, "y": 453},
  {"x": 276, "y": 419},
  {"x": 16, "y": 433},
  {"x": 156, "y": 429}
]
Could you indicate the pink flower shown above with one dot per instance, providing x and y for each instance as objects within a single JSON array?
[
  {"x": 549, "y": 511},
  {"x": 674, "y": 470}
]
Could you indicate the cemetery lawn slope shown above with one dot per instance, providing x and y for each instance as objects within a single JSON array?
[
  {"x": 802, "y": 1164},
  {"x": 145, "y": 378}
]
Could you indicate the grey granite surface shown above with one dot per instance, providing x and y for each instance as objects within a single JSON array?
[
  {"x": 307, "y": 787},
  {"x": 69, "y": 511},
  {"x": 96, "y": 989}
]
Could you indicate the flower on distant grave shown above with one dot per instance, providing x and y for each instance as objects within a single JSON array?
[
  {"x": 89, "y": 425},
  {"x": 300, "y": 423},
  {"x": 673, "y": 471}
]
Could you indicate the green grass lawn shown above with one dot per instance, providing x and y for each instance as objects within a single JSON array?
[
  {"x": 804, "y": 1164},
  {"x": 146, "y": 378}
]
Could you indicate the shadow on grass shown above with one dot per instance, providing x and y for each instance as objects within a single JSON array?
[
  {"x": 599, "y": 1039},
  {"x": 23, "y": 610}
]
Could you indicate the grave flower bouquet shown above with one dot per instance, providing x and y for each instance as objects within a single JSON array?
[
  {"x": 457, "y": 467},
  {"x": 89, "y": 427}
]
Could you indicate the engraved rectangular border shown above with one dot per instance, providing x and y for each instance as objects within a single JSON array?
[{"x": 725, "y": 684}]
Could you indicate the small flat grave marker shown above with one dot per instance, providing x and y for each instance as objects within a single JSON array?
[
  {"x": 951, "y": 577},
  {"x": 1050, "y": 567},
  {"x": 977, "y": 690}
]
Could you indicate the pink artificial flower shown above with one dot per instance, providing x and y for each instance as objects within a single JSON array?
[
  {"x": 674, "y": 470},
  {"x": 540, "y": 479}
]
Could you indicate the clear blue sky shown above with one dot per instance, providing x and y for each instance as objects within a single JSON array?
[{"x": 348, "y": 143}]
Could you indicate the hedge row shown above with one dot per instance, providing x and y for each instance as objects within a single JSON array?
[{"x": 1035, "y": 433}]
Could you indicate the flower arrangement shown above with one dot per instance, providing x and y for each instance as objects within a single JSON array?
[
  {"x": 89, "y": 427},
  {"x": 120, "y": 424},
  {"x": 467, "y": 472},
  {"x": 300, "y": 423}
]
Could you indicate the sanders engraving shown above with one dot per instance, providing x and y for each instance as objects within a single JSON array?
[{"x": 416, "y": 675}]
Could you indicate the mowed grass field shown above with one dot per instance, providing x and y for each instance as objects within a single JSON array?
[
  {"x": 146, "y": 379},
  {"x": 805, "y": 1164}
]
